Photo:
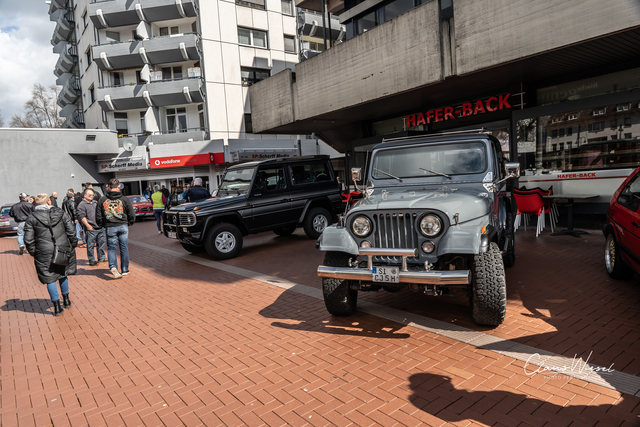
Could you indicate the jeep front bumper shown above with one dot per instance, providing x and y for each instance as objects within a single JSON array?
[{"x": 426, "y": 277}]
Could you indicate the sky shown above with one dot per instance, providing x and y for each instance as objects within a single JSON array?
[{"x": 26, "y": 55}]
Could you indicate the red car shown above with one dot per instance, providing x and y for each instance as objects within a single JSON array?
[
  {"x": 622, "y": 230},
  {"x": 7, "y": 224},
  {"x": 141, "y": 206}
]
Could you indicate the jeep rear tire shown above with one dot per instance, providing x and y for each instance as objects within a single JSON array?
[
  {"x": 339, "y": 298},
  {"x": 223, "y": 241},
  {"x": 192, "y": 248},
  {"x": 488, "y": 289},
  {"x": 316, "y": 221},
  {"x": 509, "y": 258},
  {"x": 616, "y": 267},
  {"x": 285, "y": 231}
]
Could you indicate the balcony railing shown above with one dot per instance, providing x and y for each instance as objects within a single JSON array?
[{"x": 150, "y": 82}]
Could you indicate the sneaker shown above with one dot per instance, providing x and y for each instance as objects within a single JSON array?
[
  {"x": 21, "y": 250},
  {"x": 124, "y": 273},
  {"x": 159, "y": 232},
  {"x": 116, "y": 274},
  {"x": 102, "y": 260},
  {"x": 92, "y": 263},
  {"x": 82, "y": 245}
]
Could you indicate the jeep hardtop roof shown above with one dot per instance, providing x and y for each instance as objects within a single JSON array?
[
  {"x": 280, "y": 160},
  {"x": 435, "y": 138}
]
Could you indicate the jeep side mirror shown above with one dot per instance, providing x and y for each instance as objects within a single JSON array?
[
  {"x": 512, "y": 169},
  {"x": 356, "y": 174}
]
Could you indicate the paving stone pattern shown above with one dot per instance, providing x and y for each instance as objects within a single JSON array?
[{"x": 178, "y": 343}]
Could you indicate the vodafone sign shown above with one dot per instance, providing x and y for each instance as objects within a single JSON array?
[{"x": 188, "y": 160}]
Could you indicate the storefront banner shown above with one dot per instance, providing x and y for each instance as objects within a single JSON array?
[
  {"x": 122, "y": 164},
  {"x": 188, "y": 160},
  {"x": 252, "y": 156},
  {"x": 494, "y": 103}
]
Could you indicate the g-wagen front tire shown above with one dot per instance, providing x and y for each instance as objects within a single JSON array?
[
  {"x": 192, "y": 248},
  {"x": 339, "y": 298},
  {"x": 316, "y": 221},
  {"x": 489, "y": 288},
  {"x": 223, "y": 241}
]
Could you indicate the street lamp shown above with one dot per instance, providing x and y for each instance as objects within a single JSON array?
[{"x": 620, "y": 130}]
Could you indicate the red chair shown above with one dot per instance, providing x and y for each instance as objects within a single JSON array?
[
  {"x": 550, "y": 206},
  {"x": 529, "y": 203}
]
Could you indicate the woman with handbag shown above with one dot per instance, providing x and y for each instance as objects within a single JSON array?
[{"x": 50, "y": 237}]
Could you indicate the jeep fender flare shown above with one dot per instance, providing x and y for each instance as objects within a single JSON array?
[
  {"x": 236, "y": 220},
  {"x": 466, "y": 238},
  {"x": 337, "y": 239},
  {"x": 323, "y": 202}
]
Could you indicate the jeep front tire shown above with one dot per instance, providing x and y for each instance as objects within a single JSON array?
[
  {"x": 488, "y": 289},
  {"x": 223, "y": 241},
  {"x": 339, "y": 298},
  {"x": 316, "y": 221}
]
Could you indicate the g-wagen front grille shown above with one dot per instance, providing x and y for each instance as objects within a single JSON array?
[
  {"x": 186, "y": 219},
  {"x": 395, "y": 230}
]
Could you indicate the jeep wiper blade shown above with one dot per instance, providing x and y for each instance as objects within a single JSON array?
[
  {"x": 437, "y": 173},
  {"x": 388, "y": 174}
]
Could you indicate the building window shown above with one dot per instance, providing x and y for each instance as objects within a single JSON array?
[
  {"x": 614, "y": 124},
  {"x": 367, "y": 22},
  {"x": 290, "y": 44},
  {"x": 142, "y": 124},
  {"x": 122, "y": 125},
  {"x": 113, "y": 37},
  {"x": 201, "y": 116},
  {"x": 92, "y": 95},
  {"x": 84, "y": 20},
  {"x": 561, "y": 146},
  {"x": 627, "y": 122},
  {"x": 598, "y": 111},
  {"x": 248, "y": 127},
  {"x": 572, "y": 116},
  {"x": 176, "y": 120},
  {"x": 256, "y": 4},
  {"x": 561, "y": 132},
  {"x": 595, "y": 127},
  {"x": 623, "y": 107},
  {"x": 287, "y": 7},
  {"x": 87, "y": 55},
  {"x": 628, "y": 136},
  {"x": 569, "y": 131},
  {"x": 250, "y": 76},
  {"x": 254, "y": 38},
  {"x": 194, "y": 27},
  {"x": 553, "y": 147},
  {"x": 117, "y": 79},
  {"x": 164, "y": 31},
  {"x": 398, "y": 7}
]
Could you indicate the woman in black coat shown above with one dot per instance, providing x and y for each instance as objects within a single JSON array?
[{"x": 39, "y": 242}]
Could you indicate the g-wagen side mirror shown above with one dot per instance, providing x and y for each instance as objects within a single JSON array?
[
  {"x": 356, "y": 174},
  {"x": 512, "y": 169}
]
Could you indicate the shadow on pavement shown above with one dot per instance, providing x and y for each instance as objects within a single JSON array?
[
  {"x": 35, "y": 305},
  {"x": 312, "y": 316}
]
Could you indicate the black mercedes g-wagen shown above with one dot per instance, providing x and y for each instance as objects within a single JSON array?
[{"x": 275, "y": 194}]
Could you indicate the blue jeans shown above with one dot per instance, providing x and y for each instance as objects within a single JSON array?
[
  {"x": 21, "y": 234},
  {"x": 118, "y": 236},
  {"x": 79, "y": 232},
  {"x": 95, "y": 236},
  {"x": 53, "y": 289},
  {"x": 158, "y": 214}
]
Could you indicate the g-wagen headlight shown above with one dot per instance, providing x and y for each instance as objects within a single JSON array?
[
  {"x": 361, "y": 226},
  {"x": 430, "y": 225}
]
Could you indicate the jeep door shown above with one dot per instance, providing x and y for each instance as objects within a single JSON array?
[
  {"x": 270, "y": 200},
  {"x": 312, "y": 180}
]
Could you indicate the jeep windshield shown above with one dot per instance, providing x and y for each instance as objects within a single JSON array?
[
  {"x": 236, "y": 182},
  {"x": 430, "y": 160}
]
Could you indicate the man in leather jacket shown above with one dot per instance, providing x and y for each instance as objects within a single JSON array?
[{"x": 20, "y": 212}]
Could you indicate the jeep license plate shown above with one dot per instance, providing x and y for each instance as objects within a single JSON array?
[
  {"x": 171, "y": 234},
  {"x": 385, "y": 274}
]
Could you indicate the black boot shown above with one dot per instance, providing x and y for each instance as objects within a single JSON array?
[
  {"x": 57, "y": 308},
  {"x": 65, "y": 301}
]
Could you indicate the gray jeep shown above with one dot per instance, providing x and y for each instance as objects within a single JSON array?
[{"x": 435, "y": 215}]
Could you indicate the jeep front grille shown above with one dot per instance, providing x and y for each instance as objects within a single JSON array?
[
  {"x": 394, "y": 230},
  {"x": 186, "y": 219}
]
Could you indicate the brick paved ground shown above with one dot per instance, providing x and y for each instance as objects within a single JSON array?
[{"x": 178, "y": 343}]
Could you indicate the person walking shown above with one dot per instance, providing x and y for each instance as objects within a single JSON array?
[
  {"x": 197, "y": 192},
  {"x": 93, "y": 232},
  {"x": 45, "y": 226},
  {"x": 69, "y": 206},
  {"x": 115, "y": 213},
  {"x": 54, "y": 199},
  {"x": 20, "y": 212},
  {"x": 159, "y": 201}
]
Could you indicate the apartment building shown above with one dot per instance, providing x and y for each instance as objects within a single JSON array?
[{"x": 171, "y": 77}]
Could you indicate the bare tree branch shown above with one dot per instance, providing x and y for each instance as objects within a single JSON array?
[{"x": 41, "y": 111}]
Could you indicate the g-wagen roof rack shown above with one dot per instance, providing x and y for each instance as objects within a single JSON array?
[{"x": 430, "y": 135}]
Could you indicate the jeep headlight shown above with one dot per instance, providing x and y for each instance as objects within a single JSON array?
[
  {"x": 361, "y": 226},
  {"x": 430, "y": 225}
]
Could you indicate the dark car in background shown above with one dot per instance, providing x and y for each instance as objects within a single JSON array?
[
  {"x": 7, "y": 224},
  {"x": 141, "y": 206},
  {"x": 622, "y": 230}
]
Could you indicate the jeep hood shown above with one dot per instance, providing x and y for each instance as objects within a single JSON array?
[
  {"x": 212, "y": 203},
  {"x": 464, "y": 201}
]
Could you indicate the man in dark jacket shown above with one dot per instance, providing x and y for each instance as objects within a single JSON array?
[
  {"x": 95, "y": 234},
  {"x": 197, "y": 192},
  {"x": 45, "y": 226},
  {"x": 96, "y": 193},
  {"x": 20, "y": 212},
  {"x": 115, "y": 213},
  {"x": 54, "y": 199},
  {"x": 69, "y": 206}
]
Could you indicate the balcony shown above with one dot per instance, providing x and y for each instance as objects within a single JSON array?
[
  {"x": 137, "y": 53},
  {"x": 333, "y": 6},
  {"x": 56, "y": 5},
  {"x": 67, "y": 60},
  {"x": 118, "y": 13},
  {"x": 74, "y": 121},
  {"x": 70, "y": 92},
  {"x": 64, "y": 26},
  {"x": 164, "y": 137},
  {"x": 311, "y": 24},
  {"x": 154, "y": 94}
]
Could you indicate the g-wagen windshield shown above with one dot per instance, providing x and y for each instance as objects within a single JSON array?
[
  {"x": 236, "y": 181},
  {"x": 420, "y": 161}
]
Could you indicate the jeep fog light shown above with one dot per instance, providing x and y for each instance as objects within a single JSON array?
[
  {"x": 361, "y": 226},
  {"x": 365, "y": 244},
  {"x": 430, "y": 225},
  {"x": 428, "y": 247}
]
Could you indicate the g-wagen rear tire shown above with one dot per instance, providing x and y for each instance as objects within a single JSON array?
[
  {"x": 223, "y": 241},
  {"x": 616, "y": 267},
  {"x": 316, "y": 221},
  {"x": 339, "y": 298},
  {"x": 192, "y": 248},
  {"x": 285, "y": 231},
  {"x": 489, "y": 288}
]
